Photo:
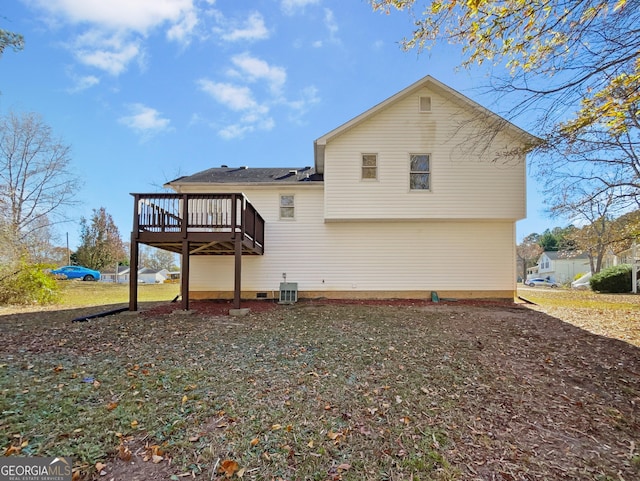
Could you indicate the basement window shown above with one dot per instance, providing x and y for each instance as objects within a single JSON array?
[{"x": 287, "y": 207}]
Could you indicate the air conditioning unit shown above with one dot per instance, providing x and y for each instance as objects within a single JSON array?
[{"x": 288, "y": 292}]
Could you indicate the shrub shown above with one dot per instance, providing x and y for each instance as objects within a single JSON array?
[
  {"x": 28, "y": 284},
  {"x": 614, "y": 279}
]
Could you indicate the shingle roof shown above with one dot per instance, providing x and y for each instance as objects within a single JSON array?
[
  {"x": 560, "y": 255},
  {"x": 243, "y": 175}
]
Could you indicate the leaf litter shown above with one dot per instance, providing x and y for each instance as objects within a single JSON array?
[{"x": 328, "y": 391}]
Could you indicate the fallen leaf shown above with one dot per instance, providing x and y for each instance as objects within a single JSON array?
[
  {"x": 111, "y": 406},
  {"x": 228, "y": 467},
  {"x": 254, "y": 441},
  {"x": 124, "y": 452},
  {"x": 344, "y": 467},
  {"x": 134, "y": 424},
  {"x": 240, "y": 473},
  {"x": 100, "y": 466},
  {"x": 96, "y": 384},
  {"x": 310, "y": 444},
  {"x": 155, "y": 459},
  {"x": 12, "y": 450},
  {"x": 276, "y": 427},
  {"x": 184, "y": 399},
  {"x": 194, "y": 439}
]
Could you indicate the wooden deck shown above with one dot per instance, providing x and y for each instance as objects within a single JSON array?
[{"x": 195, "y": 224}]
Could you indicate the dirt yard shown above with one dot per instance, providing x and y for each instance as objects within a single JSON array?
[{"x": 393, "y": 390}]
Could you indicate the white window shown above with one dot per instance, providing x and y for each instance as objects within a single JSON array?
[
  {"x": 420, "y": 174},
  {"x": 425, "y": 104},
  {"x": 369, "y": 166},
  {"x": 287, "y": 207}
]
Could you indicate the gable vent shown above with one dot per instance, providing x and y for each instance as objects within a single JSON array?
[{"x": 425, "y": 104}]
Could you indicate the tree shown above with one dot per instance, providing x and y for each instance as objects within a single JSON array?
[
  {"x": 10, "y": 39},
  {"x": 603, "y": 234},
  {"x": 101, "y": 244},
  {"x": 557, "y": 239},
  {"x": 157, "y": 259},
  {"x": 36, "y": 182},
  {"x": 574, "y": 65},
  {"x": 528, "y": 252}
]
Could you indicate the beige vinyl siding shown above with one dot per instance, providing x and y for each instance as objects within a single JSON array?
[
  {"x": 466, "y": 182},
  {"x": 363, "y": 256}
]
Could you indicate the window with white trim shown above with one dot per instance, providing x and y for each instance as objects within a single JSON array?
[
  {"x": 287, "y": 207},
  {"x": 420, "y": 172},
  {"x": 369, "y": 166}
]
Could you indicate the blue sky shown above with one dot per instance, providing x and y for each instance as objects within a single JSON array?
[{"x": 147, "y": 90}]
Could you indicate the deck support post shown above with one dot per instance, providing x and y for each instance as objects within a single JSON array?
[
  {"x": 237, "y": 288},
  {"x": 133, "y": 273},
  {"x": 184, "y": 275}
]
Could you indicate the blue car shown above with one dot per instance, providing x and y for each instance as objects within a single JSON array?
[{"x": 76, "y": 272}]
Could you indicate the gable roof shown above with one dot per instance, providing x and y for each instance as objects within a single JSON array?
[
  {"x": 564, "y": 255},
  {"x": 428, "y": 81},
  {"x": 247, "y": 175},
  {"x": 111, "y": 271}
]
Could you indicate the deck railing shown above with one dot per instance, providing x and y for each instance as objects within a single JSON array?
[{"x": 166, "y": 213}]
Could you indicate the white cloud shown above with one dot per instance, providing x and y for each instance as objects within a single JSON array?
[
  {"x": 83, "y": 83},
  {"x": 110, "y": 53},
  {"x": 144, "y": 120},
  {"x": 238, "y": 98},
  {"x": 290, "y": 7},
  {"x": 183, "y": 30},
  {"x": 114, "y": 30},
  {"x": 232, "y": 96},
  {"x": 252, "y": 29},
  {"x": 253, "y": 79},
  {"x": 308, "y": 98},
  {"x": 331, "y": 24},
  {"x": 134, "y": 15},
  {"x": 257, "y": 69}
]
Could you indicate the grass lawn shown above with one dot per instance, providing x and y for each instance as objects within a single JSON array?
[{"x": 326, "y": 391}]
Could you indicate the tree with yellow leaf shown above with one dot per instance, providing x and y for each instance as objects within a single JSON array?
[{"x": 574, "y": 67}]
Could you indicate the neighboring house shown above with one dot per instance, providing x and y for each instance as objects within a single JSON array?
[
  {"x": 109, "y": 275},
  {"x": 152, "y": 276},
  {"x": 410, "y": 197},
  {"x": 561, "y": 267}
]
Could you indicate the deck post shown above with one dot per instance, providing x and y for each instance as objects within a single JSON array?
[
  {"x": 133, "y": 273},
  {"x": 237, "y": 288},
  {"x": 184, "y": 275}
]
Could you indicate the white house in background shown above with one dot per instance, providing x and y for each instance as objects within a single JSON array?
[
  {"x": 562, "y": 267},
  {"x": 152, "y": 276},
  {"x": 109, "y": 275},
  {"x": 412, "y": 196}
]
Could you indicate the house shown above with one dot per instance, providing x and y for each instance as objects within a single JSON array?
[
  {"x": 152, "y": 276},
  {"x": 561, "y": 267},
  {"x": 110, "y": 275},
  {"x": 412, "y": 196}
]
